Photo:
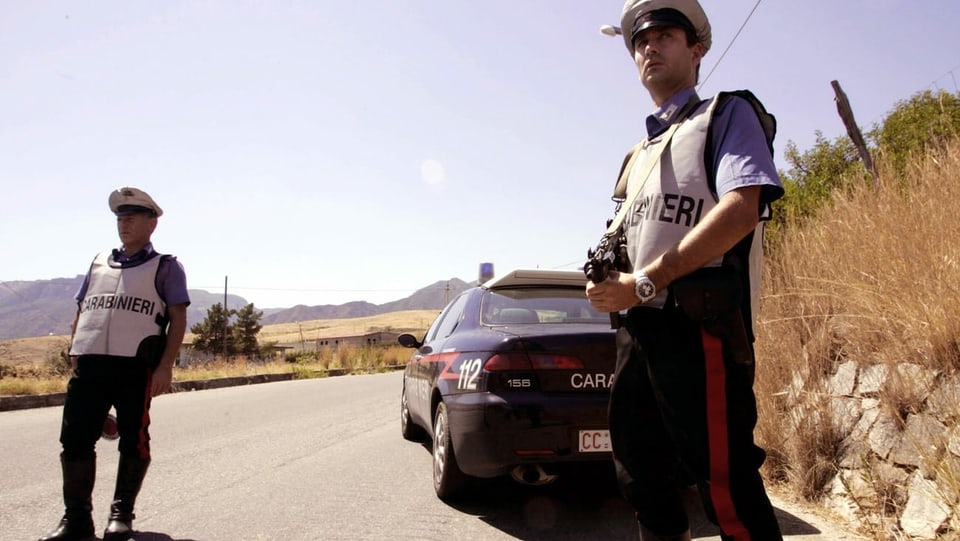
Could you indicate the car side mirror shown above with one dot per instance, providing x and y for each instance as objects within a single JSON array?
[{"x": 409, "y": 341}]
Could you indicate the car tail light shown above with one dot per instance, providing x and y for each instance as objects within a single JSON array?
[
  {"x": 555, "y": 362},
  {"x": 521, "y": 361},
  {"x": 502, "y": 362}
]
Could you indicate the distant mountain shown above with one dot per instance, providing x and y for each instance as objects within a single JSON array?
[
  {"x": 37, "y": 308},
  {"x": 42, "y": 307},
  {"x": 432, "y": 297}
]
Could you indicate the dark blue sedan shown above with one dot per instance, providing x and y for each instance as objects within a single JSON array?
[{"x": 512, "y": 377}]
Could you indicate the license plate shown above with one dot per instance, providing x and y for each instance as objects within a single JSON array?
[{"x": 594, "y": 441}]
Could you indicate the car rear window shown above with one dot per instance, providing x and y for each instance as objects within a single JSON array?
[{"x": 533, "y": 305}]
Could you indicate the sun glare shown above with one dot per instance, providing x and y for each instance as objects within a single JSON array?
[{"x": 433, "y": 173}]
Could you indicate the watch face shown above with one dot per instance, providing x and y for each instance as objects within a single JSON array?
[{"x": 645, "y": 290}]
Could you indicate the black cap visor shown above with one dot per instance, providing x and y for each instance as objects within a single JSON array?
[
  {"x": 661, "y": 18},
  {"x": 125, "y": 210}
]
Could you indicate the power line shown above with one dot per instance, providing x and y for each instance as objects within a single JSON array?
[
  {"x": 724, "y": 53},
  {"x": 880, "y": 117},
  {"x": 949, "y": 72}
]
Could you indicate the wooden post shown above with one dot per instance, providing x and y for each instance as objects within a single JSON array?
[
  {"x": 226, "y": 320},
  {"x": 846, "y": 114}
]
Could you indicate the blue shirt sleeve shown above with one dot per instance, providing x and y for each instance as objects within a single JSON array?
[
  {"x": 741, "y": 153},
  {"x": 172, "y": 282},
  {"x": 82, "y": 292}
]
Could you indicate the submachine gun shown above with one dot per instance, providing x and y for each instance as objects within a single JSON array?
[{"x": 609, "y": 255}]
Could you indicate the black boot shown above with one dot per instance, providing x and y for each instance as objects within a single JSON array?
[
  {"x": 647, "y": 535},
  {"x": 77, "y": 522},
  {"x": 130, "y": 474}
]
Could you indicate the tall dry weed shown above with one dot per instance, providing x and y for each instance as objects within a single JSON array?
[{"x": 875, "y": 278}]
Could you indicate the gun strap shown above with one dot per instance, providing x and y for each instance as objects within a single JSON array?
[
  {"x": 651, "y": 162},
  {"x": 620, "y": 191}
]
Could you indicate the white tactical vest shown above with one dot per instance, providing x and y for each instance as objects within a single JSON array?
[
  {"x": 675, "y": 197},
  {"x": 120, "y": 308}
]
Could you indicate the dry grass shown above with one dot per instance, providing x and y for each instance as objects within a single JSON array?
[
  {"x": 873, "y": 280},
  {"x": 306, "y": 365},
  {"x": 404, "y": 321},
  {"x": 35, "y": 365},
  {"x": 32, "y": 351}
]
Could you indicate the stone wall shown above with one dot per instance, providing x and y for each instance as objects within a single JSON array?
[{"x": 898, "y": 469}]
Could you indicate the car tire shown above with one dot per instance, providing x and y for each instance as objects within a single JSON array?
[
  {"x": 448, "y": 481},
  {"x": 410, "y": 430}
]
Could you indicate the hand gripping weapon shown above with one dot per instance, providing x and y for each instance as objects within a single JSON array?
[{"x": 609, "y": 255}]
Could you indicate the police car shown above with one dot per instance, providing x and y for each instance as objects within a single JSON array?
[{"x": 512, "y": 377}]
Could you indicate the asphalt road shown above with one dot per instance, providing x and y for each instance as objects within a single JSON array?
[{"x": 308, "y": 460}]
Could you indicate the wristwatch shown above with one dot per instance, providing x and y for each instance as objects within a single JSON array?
[{"x": 645, "y": 289}]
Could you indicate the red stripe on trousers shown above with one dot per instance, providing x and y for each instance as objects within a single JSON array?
[
  {"x": 717, "y": 431},
  {"x": 142, "y": 441}
]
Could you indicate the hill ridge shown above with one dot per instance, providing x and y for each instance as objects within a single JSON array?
[{"x": 46, "y": 307}]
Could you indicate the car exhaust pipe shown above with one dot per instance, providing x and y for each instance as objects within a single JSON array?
[{"x": 532, "y": 474}]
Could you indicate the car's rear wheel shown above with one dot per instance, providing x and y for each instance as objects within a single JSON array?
[
  {"x": 448, "y": 481},
  {"x": 410, "y": 430}
]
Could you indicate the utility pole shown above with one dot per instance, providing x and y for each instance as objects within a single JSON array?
[
  {"x": 846, "y": 114},
  {"x": 226, "y": 318}
]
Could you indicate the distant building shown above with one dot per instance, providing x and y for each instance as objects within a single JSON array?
[
  {"x": 332, "y": 343},
  {"x": 189, "y": 356},
  {"x": 376, "y": 338}
]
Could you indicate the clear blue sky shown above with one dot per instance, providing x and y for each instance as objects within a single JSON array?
[{"x": 328, "y": 151}]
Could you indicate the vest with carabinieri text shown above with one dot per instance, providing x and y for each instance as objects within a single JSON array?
[
  {"x": 677, "y": 194},
  {"x": 121, "y": 308}
]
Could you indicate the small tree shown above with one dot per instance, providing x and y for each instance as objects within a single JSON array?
[
  {"x": 924, "y": 122},
  {"x": 815, "y": 174},
  {"x": 209, "y": 335},
  {"x": 245, "y": 330}
]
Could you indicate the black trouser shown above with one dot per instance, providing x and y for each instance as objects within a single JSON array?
[
  {"x": 99, "y": 382},
  {"x": 679, "y": 408}
]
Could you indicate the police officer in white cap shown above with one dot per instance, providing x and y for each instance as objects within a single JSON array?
[
  {"x": 131, "y": 319},
  {"x": 700, "y": 186}
]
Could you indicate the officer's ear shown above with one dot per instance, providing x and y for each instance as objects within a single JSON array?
[{"x": 698, "y": 52}]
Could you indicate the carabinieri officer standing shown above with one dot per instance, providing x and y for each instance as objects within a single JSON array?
[
  {"x": 131, "y": 319},
  {"x": 698, "y": 188}
]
